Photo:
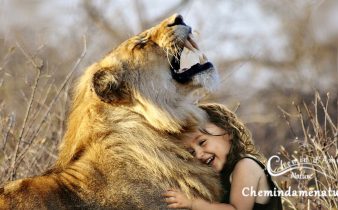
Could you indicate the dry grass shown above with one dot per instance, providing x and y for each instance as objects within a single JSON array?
[
  {"x": 29, "y": 145},
  {"x": 317, "y": 146}
]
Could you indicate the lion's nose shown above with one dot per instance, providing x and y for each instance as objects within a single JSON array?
[{"x": 176, "y": 19}]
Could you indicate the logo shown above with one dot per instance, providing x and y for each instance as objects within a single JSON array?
[{"x": 300, "y": 165}]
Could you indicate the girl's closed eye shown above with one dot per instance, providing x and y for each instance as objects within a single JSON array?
[{"x": 202, "y": 142}]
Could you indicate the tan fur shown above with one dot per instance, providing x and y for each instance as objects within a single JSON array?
[{"x": 121, "y": 149}]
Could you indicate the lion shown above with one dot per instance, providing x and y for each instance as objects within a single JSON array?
[{"x": 121, "y": 149}]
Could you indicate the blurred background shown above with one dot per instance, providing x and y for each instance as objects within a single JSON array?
[{"x": 273, "y": 56}]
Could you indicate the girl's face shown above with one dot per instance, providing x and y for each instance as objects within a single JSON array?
[{"x": 209, "y": 149}]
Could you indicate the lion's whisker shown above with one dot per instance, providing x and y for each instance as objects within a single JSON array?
[
  {"x": 167, "y": 52},
  {"x": 175, "y": 52}
]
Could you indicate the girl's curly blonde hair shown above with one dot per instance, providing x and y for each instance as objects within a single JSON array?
[{"x": 241, "y": 142}]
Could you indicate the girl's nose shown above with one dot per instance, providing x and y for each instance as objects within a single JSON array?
[{"x": 199, "y": 154}]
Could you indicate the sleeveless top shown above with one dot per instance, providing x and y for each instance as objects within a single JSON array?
[{"x": 274, "y": 203}]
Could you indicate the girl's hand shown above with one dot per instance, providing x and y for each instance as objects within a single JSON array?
[{"x": 176, "y": 199}]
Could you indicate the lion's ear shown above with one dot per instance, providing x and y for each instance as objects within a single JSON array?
[{"x": 110, "y": 86}]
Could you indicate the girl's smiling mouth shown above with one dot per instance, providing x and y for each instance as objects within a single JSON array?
[{"x": 210, "y": 160}]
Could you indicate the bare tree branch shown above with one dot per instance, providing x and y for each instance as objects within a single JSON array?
[
  {"x": 56, "y": 97},
  {"x": 38, "y": 67},
  {"x": 95, "y": 15}
]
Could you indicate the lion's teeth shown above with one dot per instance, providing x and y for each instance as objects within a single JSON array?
[
  {"x": 182, "y": 70},
  {"x": 192, "y": 42},
  {"x": 188, "y": 45},
  {"x": 203, "y": 58}
]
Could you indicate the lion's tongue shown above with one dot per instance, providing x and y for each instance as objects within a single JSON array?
[{"x": 186, "y": 74}]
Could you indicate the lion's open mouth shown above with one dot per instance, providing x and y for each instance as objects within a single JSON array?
[{"x": 184, "y": 75}]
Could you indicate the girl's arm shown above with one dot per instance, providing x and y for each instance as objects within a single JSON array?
[
  {"x": 177, "y": 200},
  {"x": 246, "y": 176},
  {"x": 245, "y": 179}
]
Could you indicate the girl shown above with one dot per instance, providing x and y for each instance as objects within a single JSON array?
[{"x": 226, "y": 145}]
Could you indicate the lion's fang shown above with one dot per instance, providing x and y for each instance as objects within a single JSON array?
[
  {"x": 203, "y": 58},
  {"x": 192, "y": 42},
  {"x": 188, "y": 45}
]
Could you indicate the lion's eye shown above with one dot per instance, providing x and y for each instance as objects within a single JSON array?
[{"x": 140, "y": 44}]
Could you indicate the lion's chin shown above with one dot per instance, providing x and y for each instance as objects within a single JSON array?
[{"x": 208, "y": 80}]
